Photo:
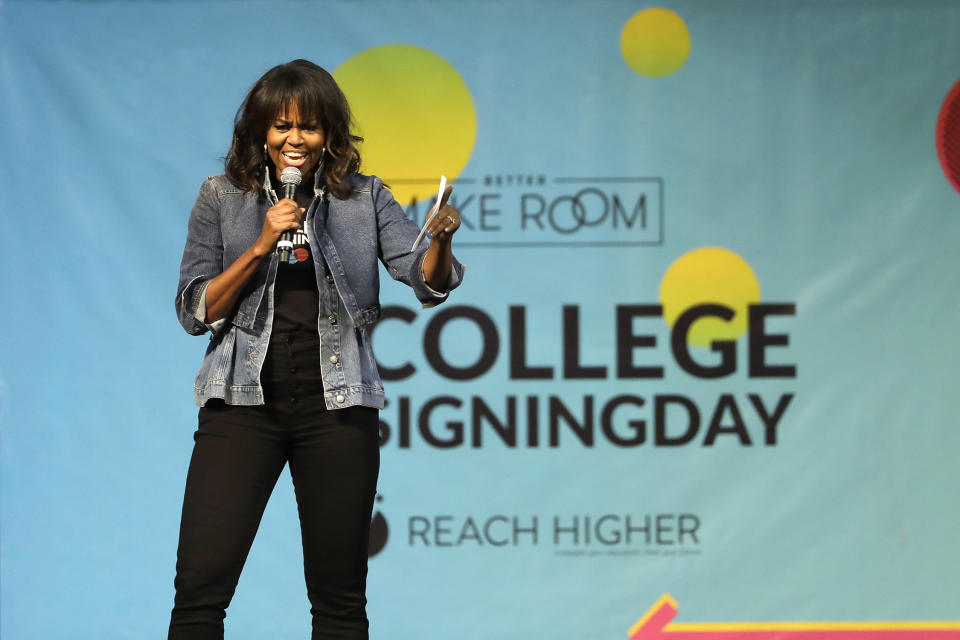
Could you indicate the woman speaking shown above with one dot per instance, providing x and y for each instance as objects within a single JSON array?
[{"x": 289, "y": 374}]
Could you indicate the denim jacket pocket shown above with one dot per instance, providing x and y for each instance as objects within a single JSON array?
[
  {"x": 246, "y": 314},
  {"x": 368, "y": 316},
  {"x": 217, "y": 361}
]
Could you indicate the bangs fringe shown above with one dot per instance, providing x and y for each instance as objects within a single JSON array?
[{"x": 317, "y": 97}]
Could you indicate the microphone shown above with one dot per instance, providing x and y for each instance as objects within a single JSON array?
[{"x": 289, "y": 178}]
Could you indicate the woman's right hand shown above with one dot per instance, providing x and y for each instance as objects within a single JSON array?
[{"x": 286, "y": 215}]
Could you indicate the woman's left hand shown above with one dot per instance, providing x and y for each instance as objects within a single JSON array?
[{"x": 445, "y": 221}]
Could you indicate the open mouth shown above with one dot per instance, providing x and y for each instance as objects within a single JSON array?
[{"x": 294, "y": 158}]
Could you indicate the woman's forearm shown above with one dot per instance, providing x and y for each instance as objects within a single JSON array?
[
  {"x": 437, "y": 264},
  {"x": 224, "y": 289}
]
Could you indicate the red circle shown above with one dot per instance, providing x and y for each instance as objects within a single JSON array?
[
  {"x": 301, "y": 254},
  {"x": 948, "y": 136}
]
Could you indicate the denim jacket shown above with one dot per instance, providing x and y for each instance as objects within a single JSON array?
[{"x": 347, "y": 238}]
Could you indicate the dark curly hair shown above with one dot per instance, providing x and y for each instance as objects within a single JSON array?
[{"x": 316, "y": 95}]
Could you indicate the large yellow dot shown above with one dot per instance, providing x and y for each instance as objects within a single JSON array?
[
  {"x": 415, "y": 114},
  {"x": 709, "y": 275},
  {"x": 655, "y": 42}
]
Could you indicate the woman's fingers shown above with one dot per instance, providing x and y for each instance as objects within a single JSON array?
[
  {"x": 283, "y": 216},
  {"x": 438, "y": 221},
  {"x": 444, "y": 223},
  {"x": 445, "y": 196},
  {"x": 285, "y": 213}
]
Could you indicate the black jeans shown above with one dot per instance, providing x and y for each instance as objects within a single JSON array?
[{"x": 239, "y": 452}]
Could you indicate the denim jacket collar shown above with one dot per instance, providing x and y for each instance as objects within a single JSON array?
[{"x": 267, "y": 186}]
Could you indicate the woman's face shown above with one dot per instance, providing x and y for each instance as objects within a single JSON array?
[{"x": 294, "y": 143}]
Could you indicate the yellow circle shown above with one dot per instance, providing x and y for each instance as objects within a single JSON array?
[
  {"x": 655, "y": 42},
  {"x": 415, "y": 114},
  {"x": 709, "y": 275}
]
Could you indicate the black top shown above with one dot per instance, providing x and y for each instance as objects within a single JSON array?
[{"x": 296, "y": 298}]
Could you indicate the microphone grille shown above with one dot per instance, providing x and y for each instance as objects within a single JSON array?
[{"x": 291, "y": 175}]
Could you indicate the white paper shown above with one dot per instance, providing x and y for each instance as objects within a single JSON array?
[{"x": 433, "y": 210}]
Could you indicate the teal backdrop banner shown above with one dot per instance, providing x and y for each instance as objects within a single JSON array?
[{"x": 701, "y": 376}]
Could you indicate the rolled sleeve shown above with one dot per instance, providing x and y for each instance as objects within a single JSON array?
[
  {"x": 200, "y": 310},
  {"x": 202, "y": 260},
  {"x": 453, "y": 281}
]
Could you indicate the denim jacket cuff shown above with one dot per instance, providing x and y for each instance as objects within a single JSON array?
[
  {"x": 200, "y": 309},
  {"x": 453, "y": 281}
]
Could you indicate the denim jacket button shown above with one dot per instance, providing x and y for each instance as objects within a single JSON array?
[
  {"x": 334, "y": 359},
  {"x": 332, "y": 319},
  {"x": 340, "y": 399}
]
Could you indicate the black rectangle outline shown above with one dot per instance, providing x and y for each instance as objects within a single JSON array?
[
  {"x": 613, "y": 243},
  {"x": 427, "y": 181},
  {"x": 643, "y": 243}
]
